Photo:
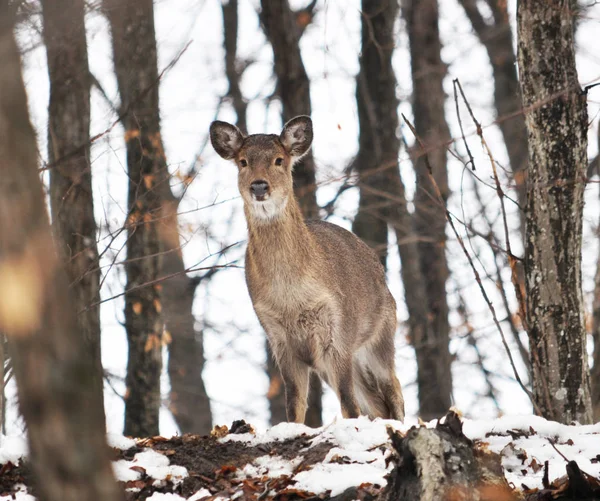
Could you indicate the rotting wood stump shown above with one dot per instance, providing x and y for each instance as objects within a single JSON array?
[{"x": 441, "y": 463}]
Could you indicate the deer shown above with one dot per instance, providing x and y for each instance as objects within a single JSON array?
[{"x": 318, "y": 290}]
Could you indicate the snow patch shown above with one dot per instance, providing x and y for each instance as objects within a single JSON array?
[
  {"x": 13, "y": 448},
  {"x": 118, "y": 441}
]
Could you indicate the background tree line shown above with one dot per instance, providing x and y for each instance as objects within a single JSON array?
[{"x": 516, "y": 224}]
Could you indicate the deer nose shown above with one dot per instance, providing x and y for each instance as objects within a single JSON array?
[{"x": 259, "y": 188}]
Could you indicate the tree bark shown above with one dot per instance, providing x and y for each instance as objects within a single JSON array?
[
  {"x": 378, "y": 144},
  {"x": 428, "y": 71},
  {"x": 71, "y": 198},
  {"x": 189, "y": 401},
  {"x": 496, "y": 37},
  {"x": 53, "y": 366},
  {"x": 283, "y": 30},
  {"x": 556, "y": 119},
  {"x": 232, "y": 65},
  {"x": 134, "y": 50},
  {"x": 136, "y": 65},
  {"x": 442, "y": 464}
]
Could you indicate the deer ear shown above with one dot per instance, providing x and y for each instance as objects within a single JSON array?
[
  {"x": 297, "y": 136},
  {"x": 226, "y": 139}
]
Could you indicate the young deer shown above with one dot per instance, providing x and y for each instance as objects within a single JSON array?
[{"x": 317, "y": 289}]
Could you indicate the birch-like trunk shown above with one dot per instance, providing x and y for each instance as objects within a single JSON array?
[{"x": 557, "y": 121}]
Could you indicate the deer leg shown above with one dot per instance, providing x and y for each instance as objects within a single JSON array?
[
  {"x": 295, "y": 374},
  {"x": 345, "y": 391}
]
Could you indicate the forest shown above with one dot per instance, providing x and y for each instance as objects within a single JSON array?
[{"x": 459, "y": 139}]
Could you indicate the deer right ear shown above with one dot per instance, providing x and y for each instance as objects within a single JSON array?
[{"x": 226, "y": 139}]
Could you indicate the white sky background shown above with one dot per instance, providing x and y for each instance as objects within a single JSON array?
[{"x": 211, "y": 216}]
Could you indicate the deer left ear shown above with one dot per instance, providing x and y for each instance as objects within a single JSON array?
[{"x": 297, "y": 136}]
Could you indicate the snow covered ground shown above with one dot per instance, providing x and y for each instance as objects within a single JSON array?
[{"x": 358, "y": 453}]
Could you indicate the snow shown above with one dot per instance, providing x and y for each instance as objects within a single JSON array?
[
  {"x": 119, "y": 441},
  {"x": 202, "y": 493},
  {"x": 339, "y": 477},
  {"x": 360, "y": 448},
  {"x": 157, "y": 466},
  {"x": 12, "y": 448}
]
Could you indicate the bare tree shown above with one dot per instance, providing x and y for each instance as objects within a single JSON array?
[
  {"x": 556, "y": 118},
  {"x": 233, "y": 68},
  {"x": 284, "y": 28},
  {"x": 134, "y": 50},
  {"x": 56, "y": 379},
  {"x": 71, "y": 198},
  {"x": 495, "y": 34},
  {"x": 428, "y": 71},
  {"x": 154, "y": 240},
  {"x": 378, "y": 144}
]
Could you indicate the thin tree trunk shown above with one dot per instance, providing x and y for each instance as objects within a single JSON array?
[
  {"x": 134, "y": 49},
  {"x": 428, "y": 71},
  {"x": 378, "y": 144},
  {"x": 189, "y": 401},
  {"x": 293, "y": 87},
  {"x": 53, "y": 366},
  {"x": 71, "y": 198},
  {"x": 230, "y": 32},
  {"x": 556, "y": 118},
  {"x": 496, "y": 37}
]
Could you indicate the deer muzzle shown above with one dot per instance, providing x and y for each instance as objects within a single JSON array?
[{"x": 259, "y": 190}]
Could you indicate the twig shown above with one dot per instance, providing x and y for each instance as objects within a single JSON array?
[{"x": 477, "y": 277}]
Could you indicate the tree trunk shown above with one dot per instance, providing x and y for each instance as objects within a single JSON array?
[
  {"x": 230, "y": 32},
  {"x": 189, "y": 401},
  {"x": 56, "y": 378},
  {"x": 378, "y": 144},
  {"x": 134, "y": 49},
  {"x": 283, "y": 30},
  {"x": 556, "y": 118},
  {"x": 428, "y": 71},
  {"x": 442, "y": 464},
  {"x": 71, "y": 198},
  {"x": 497, "y": 40}
]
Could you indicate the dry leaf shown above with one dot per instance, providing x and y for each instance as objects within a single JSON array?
[
  {"x": 137, "y": 307},
  {"x": 219, "y": 431}
]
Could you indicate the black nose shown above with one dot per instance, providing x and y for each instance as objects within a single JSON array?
[{"x": 259, "y": 188}]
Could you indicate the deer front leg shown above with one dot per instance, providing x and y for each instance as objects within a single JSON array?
[{"x": 295, "y": 374}]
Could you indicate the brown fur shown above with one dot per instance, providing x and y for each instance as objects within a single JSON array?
[{"x": 317, "y": 289}]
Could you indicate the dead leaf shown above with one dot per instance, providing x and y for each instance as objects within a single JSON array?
[
  {"x": 219, "y": 431},
  {"x": 137, "y": 307}
]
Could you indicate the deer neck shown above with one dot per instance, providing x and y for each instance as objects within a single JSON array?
[{"x": 283, "y": 247}]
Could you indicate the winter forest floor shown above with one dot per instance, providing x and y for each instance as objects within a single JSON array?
[{"x": 347, "y": 459}]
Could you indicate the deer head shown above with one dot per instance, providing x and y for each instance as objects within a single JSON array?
[{"x": 265, "y": 163}]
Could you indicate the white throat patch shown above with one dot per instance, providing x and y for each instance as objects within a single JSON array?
[{"x": 269, "y": 209}]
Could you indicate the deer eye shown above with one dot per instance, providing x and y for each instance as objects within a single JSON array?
[
  {"x": 279, "y": 161},
  {"x": 244, "y": 162}
]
